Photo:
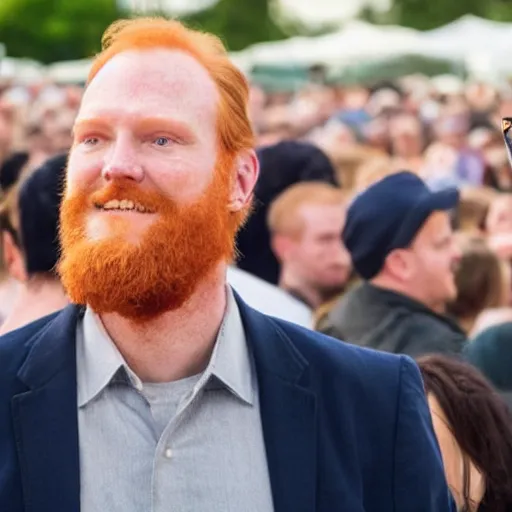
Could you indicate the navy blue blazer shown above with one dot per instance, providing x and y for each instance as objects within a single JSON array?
[{"x": 345, "y": 428}]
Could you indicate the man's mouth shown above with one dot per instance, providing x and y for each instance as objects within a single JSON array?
[{"x": 124, "y": 205}]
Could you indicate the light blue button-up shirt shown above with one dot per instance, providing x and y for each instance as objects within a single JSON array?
[{"x": 194, "y": 445}]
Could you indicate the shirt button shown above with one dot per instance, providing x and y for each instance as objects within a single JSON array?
[{"x": 168, "y": 453}]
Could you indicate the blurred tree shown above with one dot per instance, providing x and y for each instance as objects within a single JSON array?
[
  {"x": 237, "y": 23},
  {"x": 55, "y": 30},
  {"x": 426, "y": 15}
]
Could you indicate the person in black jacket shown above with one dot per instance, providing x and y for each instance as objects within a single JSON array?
[
  {"x": 401, "y": 243},
  {"x": 281, "y": 166},
  {"x": 491, "y": 352}
]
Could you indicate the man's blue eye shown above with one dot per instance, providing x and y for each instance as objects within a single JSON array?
[{"x": 162, "y": 141}]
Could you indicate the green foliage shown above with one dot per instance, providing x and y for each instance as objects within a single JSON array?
[
  {"x": 55, "y": 30},
  {"x": 239, "y": 24},
  {"x": 426, "y": 15}
]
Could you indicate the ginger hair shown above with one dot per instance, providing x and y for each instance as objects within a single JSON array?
[{"x": 234, "y": 127}]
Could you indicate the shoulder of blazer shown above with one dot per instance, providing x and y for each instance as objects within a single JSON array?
[
  {"x": 289, "y": 349},
  {"x": 328, "y": 352},
  {"x": 19, "y": 345}
]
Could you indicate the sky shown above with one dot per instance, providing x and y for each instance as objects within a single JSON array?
[{"x": 312, "y": 12}]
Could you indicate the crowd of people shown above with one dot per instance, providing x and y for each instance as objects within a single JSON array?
[{"x": 381, "y": 216}]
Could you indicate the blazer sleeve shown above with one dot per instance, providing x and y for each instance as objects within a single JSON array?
[{"x": 419, "y": 479}]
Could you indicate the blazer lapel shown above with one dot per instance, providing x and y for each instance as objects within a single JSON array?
[
  {"x": 288, "y": 413},
  {"x": 45, "y": 419}
]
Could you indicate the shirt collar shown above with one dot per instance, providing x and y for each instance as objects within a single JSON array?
[
  {"x": 231, "y": 361},
  {"x": 99, "y": 360}
]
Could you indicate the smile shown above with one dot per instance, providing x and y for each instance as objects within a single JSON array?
[{"x": 124, "y": 205}]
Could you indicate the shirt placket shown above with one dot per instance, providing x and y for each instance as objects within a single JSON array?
[{"x": 164, "y": 453}]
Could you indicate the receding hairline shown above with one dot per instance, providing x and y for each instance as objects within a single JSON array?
[{"x": 291, "y": 203}]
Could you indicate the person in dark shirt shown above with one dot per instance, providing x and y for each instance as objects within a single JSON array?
[
  {"x": 36, "y": 241},
  {"x": 401, "y": 243},
  {"x": 281, "y": 166}
]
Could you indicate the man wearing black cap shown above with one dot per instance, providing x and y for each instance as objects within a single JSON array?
[{"x": 401, "y": 243}]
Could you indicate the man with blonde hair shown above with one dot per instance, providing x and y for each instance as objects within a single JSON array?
[
  {"x": 159, "y": 389},
  {"x": 305, "y": 224}
]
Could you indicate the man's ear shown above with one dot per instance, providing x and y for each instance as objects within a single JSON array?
[
  {"x": 247, "y": 169},
  {"x": 13, "y": 258},
  {"x": 398, "y": 264}
]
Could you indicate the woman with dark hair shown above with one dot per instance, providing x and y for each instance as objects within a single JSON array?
[
  {"x": 474, "y": 429},
  {"x": 483, "y": 284}
]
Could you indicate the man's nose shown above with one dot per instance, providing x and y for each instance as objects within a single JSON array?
[{"x": 122, "y": 162}]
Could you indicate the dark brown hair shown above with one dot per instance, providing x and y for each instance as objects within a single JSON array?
[
  {"x": 479, "y": 280},
  {"x": 481, "y": 423}
]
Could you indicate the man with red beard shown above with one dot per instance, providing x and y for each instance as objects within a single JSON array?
[{"x": 159, "y": 389}]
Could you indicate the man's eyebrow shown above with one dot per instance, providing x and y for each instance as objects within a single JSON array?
[
  {"x": 88, "y": 123},
  {"x": 179, "y": 128},
  {"x": 161, "y": 123}
]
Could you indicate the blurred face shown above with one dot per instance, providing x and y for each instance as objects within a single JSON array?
[
  {"x": 59, "y": 131},
  {"x": 145, "y": 216},
  {"x": 5, "y": 134},
  {"x": 376, "y": 133},
  {"x": 499, "y": 219},
  {"x": 406, "y": 138},
  {"x": 318, "y": 256},
  {"x": 434, "y": 255}
]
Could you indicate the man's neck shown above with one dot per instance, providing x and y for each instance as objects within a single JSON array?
[
  {"x": 298, "y": 288},
  {"x": 176, "y": 344}
]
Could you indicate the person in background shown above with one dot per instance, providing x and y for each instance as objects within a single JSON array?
[
  {"x": 6, "y": 133},
  {"x": 33, "y": 260},
  {"x": 305, "y": 224},
  {"x": 491, "y": 352},
  {"x": 482, "y": 281},
  {"x": 449, "y": 161},
  {"x": 474, "y": 428},
  {"x": 159, "y": 388},
  {"x": 498, "y": 226},
  {"x": 10, "y": 172},
  {"x": 407, "y": 143},
  {"x": 372, "y": 170},
  {"x": 399, "y": 236},
  {"x": 281, "y": 166},
  {"x": 269, "y": 298}
]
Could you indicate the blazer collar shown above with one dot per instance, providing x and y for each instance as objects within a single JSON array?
[
  {"x": 53, "y": 348},
  {"x": 288, "y": 409}
]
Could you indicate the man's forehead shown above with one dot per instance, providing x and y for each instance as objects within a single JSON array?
[
  {"x": 156, "y": 77},
  {"x": 437, "y": 224},
  {"x": 330, "y": 210}
]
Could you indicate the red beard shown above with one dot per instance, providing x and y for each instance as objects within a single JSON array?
[{"x": 158, "y": 273}]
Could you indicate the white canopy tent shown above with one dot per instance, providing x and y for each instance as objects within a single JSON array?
[
  {"x": 357, "y": 40},
  {"x": 23, "y": 70},
  {"x": 484, "y": 45},
  {"x": 74, "y": 71}
]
